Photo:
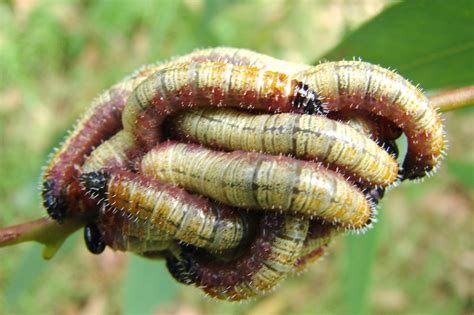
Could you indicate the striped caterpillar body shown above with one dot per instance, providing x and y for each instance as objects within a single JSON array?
[
  {"x": 263, "y": 265},
  {"x": 213, "y": 84},
  {"x": 346, "y": 85},
  {"x": 302, "y": 136},
  {"x": 359, "y": 85},
  {"x": 113, "y": 171},
  {"x": 317, "y": 240},
  {"x": 258, "y": 181},
  {"x": 100, "y": 122},
  {"x": 124, "y": 233},
  {"x": 189, "y": 218}
]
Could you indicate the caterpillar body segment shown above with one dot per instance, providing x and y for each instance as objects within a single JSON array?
[
  {"x": 346, "y": 85},
  {"x": 189, "y": 218},
  {"x": 303, "y": 136},
  {"x": 217, "y": 85},
  {"x": 260, "y": 268},
  {"x": 121, "y": 232},
  {"x": 117, "y": 152},
  {"x": 318, "y": 238},
  {"x": 259, "y": 181}
]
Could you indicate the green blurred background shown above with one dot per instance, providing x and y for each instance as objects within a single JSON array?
[{"x": 55, "y": 56}]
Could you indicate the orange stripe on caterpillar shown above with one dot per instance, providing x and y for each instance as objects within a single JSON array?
[
  {"x": 303, "y": 136},
  {"x": 189, "y": 218},
  {"x": 214, "y": 84},
  {"x": 259, "y": 269},
  {"x": 258, "y": 181}
]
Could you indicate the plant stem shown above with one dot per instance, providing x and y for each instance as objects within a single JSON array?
[
  {"x": 45, "y": 231},
  {"x": 453, "y": 99}
]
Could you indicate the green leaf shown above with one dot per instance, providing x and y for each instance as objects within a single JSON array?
[
  {"x": 429, "y": 42},
  {"x": 148, "y": 285}
]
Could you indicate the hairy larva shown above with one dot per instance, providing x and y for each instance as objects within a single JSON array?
[
  {"x": 259, "y": 181},
  {"x": 60, "y": 191},
  {"x": 262, "y": 265},
  {"x": 363, "y": 86},
  {"x": 188, "y": 218},
  {"x": 214, "y": 84},
  {"x": 303, "y": 136},
  {"x": 346, "y": 85}
]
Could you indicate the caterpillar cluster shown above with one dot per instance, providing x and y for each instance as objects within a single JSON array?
[{"x": 238, "y": 168}]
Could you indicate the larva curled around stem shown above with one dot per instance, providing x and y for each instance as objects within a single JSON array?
[
  {"x": 259, "y": 269},
  {"x": 258, "y": 181},
  {"x": 185, "y": 217},
  {"x": 214, "y": 84},
  {"x": 303, "y": 136}
]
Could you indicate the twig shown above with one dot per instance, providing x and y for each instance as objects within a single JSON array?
[
  {"x": 453, "y": 99},
  {"x": 45, "y": 231}
]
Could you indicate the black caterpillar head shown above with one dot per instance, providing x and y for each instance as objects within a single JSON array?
[
  {"x": 308, "y": 99},
  {"x": 181, "y": 268},
  {"x": 93, "y": 239},
  {"x": 56, "y": 205},
  {"x": 95, "y": 183}
]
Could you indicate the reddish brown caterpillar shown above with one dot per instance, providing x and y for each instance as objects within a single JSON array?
[{"x": 263, "y": 264}]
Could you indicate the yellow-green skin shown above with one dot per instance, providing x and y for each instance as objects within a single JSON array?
[
  {"x": 258, "y": 181},
  {"x": 302, "y": 136}
]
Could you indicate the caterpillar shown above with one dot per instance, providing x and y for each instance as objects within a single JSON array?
[
  {"x": 264, "y": 263},
  {"x": 189, "y": 218},
  {"x": 60, "y": 191},
  {"x": 303, "y": 136},
  {"x": 213, "y": 84},
  {"x": 124, "y": 233},
  {"x": 258, "y": 181},
  {"x": 373, "y": 100},
  {"x": 348, "y": 85}
]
